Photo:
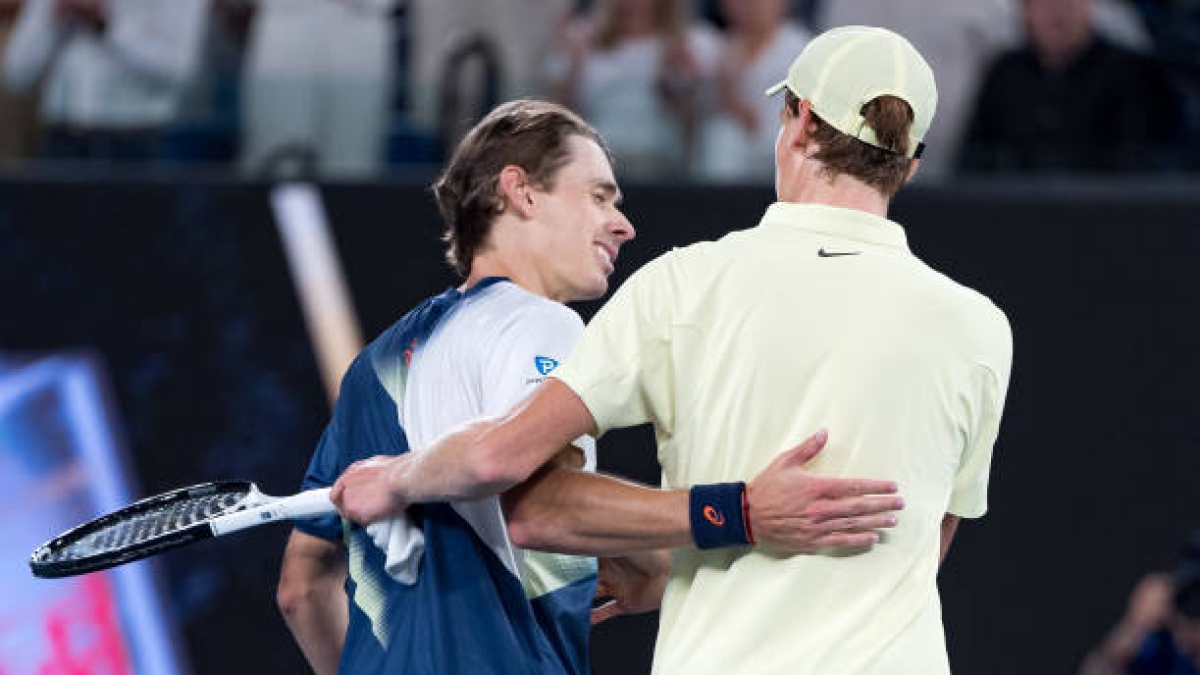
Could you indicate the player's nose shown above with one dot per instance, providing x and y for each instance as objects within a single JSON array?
[{"x": 621, "y": 229}]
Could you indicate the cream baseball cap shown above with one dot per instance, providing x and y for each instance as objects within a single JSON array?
[{"x": 843, "y": 69}]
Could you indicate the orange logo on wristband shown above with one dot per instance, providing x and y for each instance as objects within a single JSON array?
[{"x": 714, "y": 516}]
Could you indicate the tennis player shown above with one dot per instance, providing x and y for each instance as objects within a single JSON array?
[
  {"x": 531, "y": 206},
  {"x": 732, "y": 349}
]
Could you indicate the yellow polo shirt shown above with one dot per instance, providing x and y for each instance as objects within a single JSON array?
[{"x": 741, "y": 348}]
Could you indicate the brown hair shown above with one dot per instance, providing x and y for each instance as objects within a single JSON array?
[
  {"x": 531, "y": 135},
  {"x": 883, "y": 169}
]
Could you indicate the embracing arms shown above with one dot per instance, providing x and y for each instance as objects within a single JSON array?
[{"x": 573, "y": 511}]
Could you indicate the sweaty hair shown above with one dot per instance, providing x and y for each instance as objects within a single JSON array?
[
  {"x": 532, "y": 135},
  {"x": 883, "y": 169}
]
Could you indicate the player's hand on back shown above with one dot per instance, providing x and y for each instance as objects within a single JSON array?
[
  {"x": 364, "y": 495},
  {"x": 793, "y": 510}
]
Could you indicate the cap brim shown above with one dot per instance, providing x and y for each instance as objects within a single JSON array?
[{"x": 776, "y": 89}]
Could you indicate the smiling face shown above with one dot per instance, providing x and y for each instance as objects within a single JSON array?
[{"x": 577, "y": 228}]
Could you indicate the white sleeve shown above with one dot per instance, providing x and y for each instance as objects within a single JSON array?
[
  {"x": 34, "y": 42},
  {"x": 161, "y": 39},
  {"x": 526, "y": 348},
  {"x": 622, "y": 367},
  {"x": 706, "y": 46},
  {"x": 985, "y": 396}
]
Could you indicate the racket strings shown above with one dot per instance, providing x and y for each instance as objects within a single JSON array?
[{"x": 150, "y": 524}]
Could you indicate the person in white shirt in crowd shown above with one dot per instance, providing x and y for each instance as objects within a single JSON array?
[
  {"x": 18, "y": 111},
  {"x": 635, "y": 68},
  {"x": 737, "y": 140},
  {"x": 318, "y": 84},
  {"x": 1121, "y": 22},
  {"x": 113, "y": 72},
  {"x": 453, "y": 42}
]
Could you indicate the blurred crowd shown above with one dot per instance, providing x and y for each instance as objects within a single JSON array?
[
  {"x": 1159, "y": 634},
  {"x": 353, "y": 88}
]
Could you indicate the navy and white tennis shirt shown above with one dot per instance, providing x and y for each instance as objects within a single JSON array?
[{"x": 479, "y": 606}]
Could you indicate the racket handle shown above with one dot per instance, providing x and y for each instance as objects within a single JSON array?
[{"x": 304, "y": 505}]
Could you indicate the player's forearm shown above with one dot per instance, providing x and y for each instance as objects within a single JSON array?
[
  {"x": 462, "y": 465},
  {"x": 949, "y": 527},
  {"x": 317, "y": 613},
  {"x": 570, "y": 511},
  {"x": 492, "y": 456},
  {"x": 312, "y": 598},
  {"x": 320, "y": 630},
  {"x": 379, "y": 487}
]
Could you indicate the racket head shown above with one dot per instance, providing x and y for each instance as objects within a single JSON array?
[{"x": 144, "y": 528}]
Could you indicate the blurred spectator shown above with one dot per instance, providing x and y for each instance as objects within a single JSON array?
[
  {"x": 959, "y": 38},
  {"x": 737, "y": 141},
  {"x": 1070, "y": 100},
  {"x": 114, "y": 70},
  {"x": 318, "y": 85},
  {"x": 634, "y": 69},
  {"x": 1160, "y": 632},
  {"x": 457, "y": 45},
  {"x": 1123, "y": 25},
  {"x": 207, "y": 127},
  {"x": 18, "y": 112},
  {"x": 1175, "y": 28}
]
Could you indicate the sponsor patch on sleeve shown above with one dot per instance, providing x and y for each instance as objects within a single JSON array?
[{"x": 545, "y": 364}]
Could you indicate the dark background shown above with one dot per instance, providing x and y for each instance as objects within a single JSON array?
[{"x": 182, "y": 289}]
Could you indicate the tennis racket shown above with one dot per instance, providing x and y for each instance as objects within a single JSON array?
[{"x": 170, "y": 520}]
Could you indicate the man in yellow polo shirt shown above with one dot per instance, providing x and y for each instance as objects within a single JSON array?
[{"x": 818, "y": 317}]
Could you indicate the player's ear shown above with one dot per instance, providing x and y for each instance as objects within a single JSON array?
[
  {"x": 799, "y": 128},
  {"x": 516, "y": 190}
]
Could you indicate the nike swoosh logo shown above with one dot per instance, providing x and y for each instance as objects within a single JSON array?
[{"x": 834, "y": 254}]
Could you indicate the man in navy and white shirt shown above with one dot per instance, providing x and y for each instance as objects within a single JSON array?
[
  {"x": 459, "y": 356},
  {"x": 462, "y": 598}
]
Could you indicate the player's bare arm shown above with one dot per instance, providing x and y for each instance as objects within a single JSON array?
[
  {"x": 949, "y": 527},
  {"x": 478, "y": 460},
  {"x": 630, "y": 583},
  {"x": 570, "y": 511},
  {"x": 311, "y": 596},
  {"x": 566, "y": 510}
]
